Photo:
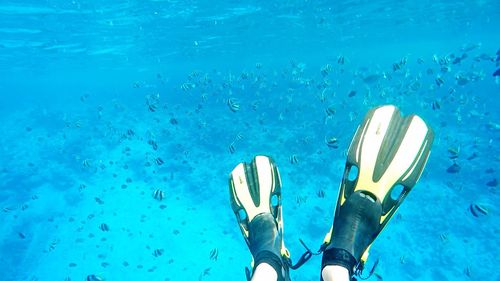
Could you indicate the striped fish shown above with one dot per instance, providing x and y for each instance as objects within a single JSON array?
[
  {"x": 158, "y": 194},
  {"x": 233, "y": 104},
  {"x": 93, "y": 277}
]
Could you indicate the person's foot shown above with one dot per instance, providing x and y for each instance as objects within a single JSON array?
[
  {"x": 354, "y": 229},
  {"x": 265, "y": 243}
]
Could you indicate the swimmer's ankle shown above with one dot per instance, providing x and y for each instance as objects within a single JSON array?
[{"x": 335, "y": 273}]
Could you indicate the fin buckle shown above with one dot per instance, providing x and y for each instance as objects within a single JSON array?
[
  {"x": 361, "y": 266},
  {"x": 304, "y": 257}
]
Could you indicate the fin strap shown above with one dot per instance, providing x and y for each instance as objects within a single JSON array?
[
  {"x": 359, "y": 271},
  {"x": 273, "y": 260},
  {"x": 304, "y": 258},
  {"x": 337, "y": 256}
]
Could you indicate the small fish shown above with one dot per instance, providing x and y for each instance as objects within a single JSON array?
[
  {"x": 294, "y": 159},
  {"x": 370, "y": 79},
  {"x": 83, "y": 98},
  {"x": 435, "y": 58},
  {"x": 402, "y": 259},
  {"x": 457, "y": 60},
  {"x": 86, "y": 163},
  {"x": 152, "y": 107},
  {"x": 99, "y": 200},
  {"x": 496, "y": 73},
  {"x": 453, "y": 169},
  {"x": 398, "y": 65},
  {"x": 453, "y": 152},
  {"x": 326, "y": 70},
  {"x": 332, "y": 142},
  {"x": 214, "y": 253},
  {"x": 233, "y": 104},
  {"x": 492, "y": 183},
  {"x": 232, "y": 149},
  {"x": 93, "y": 277},
  {"x": 21, "y": 235},
  {"x": 104, "y": 227},
  {"x": 322, "y": 96},
  {"x": 158, "y": 252},
  {"x": 444, "y": 237},
  {"x": 301, "y": 199},
  {"x": 255, "y": 105},
  {"x": 467, "y": 271},
  {"x": 352, "y": 94},
  {"x": 53, "y": 245},
  {"x": 439, "y": 81},
  {"x": 478, "y": 210},
  {"x": 206, "y": 272},
  {"x": 341, "y": 60},
  {"x": 435, "y": 105},
  {"x": 159, "y": 161},
  {"x": 445, "y": 69},
  {"x": 320, "y": 193},
  {"x": 158, "y": 194},
  {"x": 238, "y": 137},
  {"x": 153, "y": 144},
  {"x": 461, "y": 79},
  {"x": 187, "y": 86},
  {"x": 330, "y": 111},
  {"x": 444, "y": 61}
]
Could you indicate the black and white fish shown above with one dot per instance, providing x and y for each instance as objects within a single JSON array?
[
  {"x": 332, "y": 142},
  {"x": 158, "y": 252},
  {"x": 233, "y": 104},
  {"x": 341, "y": 60},
  {"x": 158, "y": 194},
  {"x": 93, "y": 277},
  {"x": 159, "y": 161},
  {"x": 104, "y": 227}
]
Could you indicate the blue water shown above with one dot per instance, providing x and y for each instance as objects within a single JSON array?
[{"x": 89, "y": 89}]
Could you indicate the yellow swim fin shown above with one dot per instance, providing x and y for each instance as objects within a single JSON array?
[
  {"x": 385, "y": 160},
  {"x": 255, "y": 195}
]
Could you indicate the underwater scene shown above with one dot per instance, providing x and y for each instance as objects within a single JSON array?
[{"x": 122, "y": 121}]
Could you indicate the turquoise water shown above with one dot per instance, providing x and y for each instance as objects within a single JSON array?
[{"x": 104, "y": 102}]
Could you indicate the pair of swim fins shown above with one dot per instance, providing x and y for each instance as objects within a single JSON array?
[{"x": 385, "y": 160}]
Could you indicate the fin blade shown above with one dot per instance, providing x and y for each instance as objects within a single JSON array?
[
  {"x": 251, "y": 188},
  {"x": 389, "y": 149}
]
